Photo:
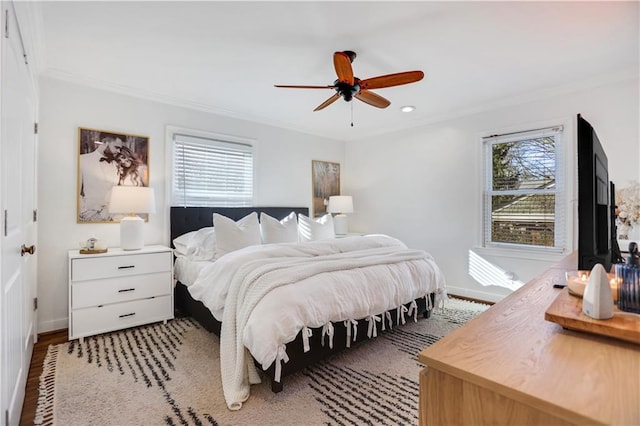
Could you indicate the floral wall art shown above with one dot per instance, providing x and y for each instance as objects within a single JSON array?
[{"x": 628, "y": 212}]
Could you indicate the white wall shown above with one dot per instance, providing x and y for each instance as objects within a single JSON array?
[
  {"x": 424, "y": 185},
  {"x": 283, "y": 173},
  {"x": 421, "y": 185}
]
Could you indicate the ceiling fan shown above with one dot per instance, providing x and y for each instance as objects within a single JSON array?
[{"x": 348, "y": 87}]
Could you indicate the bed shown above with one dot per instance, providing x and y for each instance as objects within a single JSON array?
[{"x": 305, "y": 343}]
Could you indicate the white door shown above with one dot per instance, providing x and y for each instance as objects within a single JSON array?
[{"x": 18, "y": 229}]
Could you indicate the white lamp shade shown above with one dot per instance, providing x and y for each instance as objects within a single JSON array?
[
  {"x": 132, "y": 199},
  {"x": 340, "y": 204}
]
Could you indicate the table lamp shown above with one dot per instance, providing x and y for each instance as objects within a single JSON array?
[
  {"x": 132, "y": 200},
  {"x": 340, "y": 204}
]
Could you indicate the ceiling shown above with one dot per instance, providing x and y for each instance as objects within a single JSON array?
[{"x": 225, "y": 57}]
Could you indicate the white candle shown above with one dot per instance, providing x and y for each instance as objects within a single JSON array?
[
  {"x": 613, "y": 282},
  {"x": 577, "y": 281}
]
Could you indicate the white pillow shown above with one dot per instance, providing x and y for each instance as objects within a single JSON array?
[
  {"x": 196, "y": 245},
  {"x": 182, "y": 243},
  {"x": 204, "y": 242},
  {"x": 231, "y": 236},
  {"x": 278, "y": 231},
  {"x": 315, "y": 229}
]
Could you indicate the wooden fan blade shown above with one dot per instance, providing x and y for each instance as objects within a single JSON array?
[
  {"x": 392, "y": 80},
  {"x": 342, "y": 64},
  {"x": 303, "y": 87},
  {"x": 328, "y": 102},
  {"x": 372, "y": 99}
]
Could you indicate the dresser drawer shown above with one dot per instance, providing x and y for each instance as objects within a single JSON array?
[
  {"x": 89, "y": 321},
  {"x": 119, "y": 266},
  {"x": 123, "y": 289}
]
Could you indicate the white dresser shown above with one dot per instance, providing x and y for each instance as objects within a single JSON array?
[{"x": 119, "y": 289}]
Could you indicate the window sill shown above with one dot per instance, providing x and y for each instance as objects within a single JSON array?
[{"x": 522, "y": 253}]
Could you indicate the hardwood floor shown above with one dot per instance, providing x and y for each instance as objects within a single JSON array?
[{"x": 35, "y": 370}]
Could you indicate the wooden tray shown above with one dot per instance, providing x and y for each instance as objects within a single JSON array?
[
  {"x": 566, "y": 310},
  {"x": 95, "y": 251}
]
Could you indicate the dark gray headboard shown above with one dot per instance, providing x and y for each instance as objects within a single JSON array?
[{"x": 186, "y": 219}]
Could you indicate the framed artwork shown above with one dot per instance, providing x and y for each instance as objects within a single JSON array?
[
  {"x": 107, "y": 159},
  {"x": 325, "y": 178}
]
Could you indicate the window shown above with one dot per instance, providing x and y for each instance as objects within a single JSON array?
[
  {"x": 210, "y": 171},
  {"x": 524, "y": 189}
]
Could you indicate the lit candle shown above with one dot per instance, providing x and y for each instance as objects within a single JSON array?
[
  {"x": 577, "y": 281},
  {"x": 580, "y": 279},
  {"x": 614, "y": 282}
]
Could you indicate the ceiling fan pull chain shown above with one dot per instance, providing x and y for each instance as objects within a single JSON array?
[{"x": 351, "y": 114}]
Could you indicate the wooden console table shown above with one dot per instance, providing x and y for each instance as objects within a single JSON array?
[{"x": 509, "y": 366}]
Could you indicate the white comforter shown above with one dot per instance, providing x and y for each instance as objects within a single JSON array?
[{"x": 265, "y": 295}]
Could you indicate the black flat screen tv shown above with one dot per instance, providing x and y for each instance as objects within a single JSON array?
[{"x": 596, "y": 219}]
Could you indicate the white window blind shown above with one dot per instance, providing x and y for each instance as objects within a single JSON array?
[
  {"x": 211, "y": 172},
  {"x": 525, "y": 189}
]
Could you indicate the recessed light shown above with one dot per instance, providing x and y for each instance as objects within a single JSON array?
[{"x": 407, "y": 108}]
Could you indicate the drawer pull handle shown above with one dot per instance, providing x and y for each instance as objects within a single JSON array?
[
  {"x": 124, "y": 290},
  {"x": 127, "y": 315},
  {"x": 126, "y": 267}
]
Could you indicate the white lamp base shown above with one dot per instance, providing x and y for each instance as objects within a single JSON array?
[
  {"x": 131, "y": 233},
  {"x": 340, "y": 224}
]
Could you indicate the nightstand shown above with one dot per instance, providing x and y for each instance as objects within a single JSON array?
[{"x": 119, "y": 289}]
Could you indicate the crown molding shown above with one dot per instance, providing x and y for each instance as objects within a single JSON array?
[
  {"x": 172, "y": 100},
  {"x": 523, "y": 98},
  {"x": 627, "y": 75}
]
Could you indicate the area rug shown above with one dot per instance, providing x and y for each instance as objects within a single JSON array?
[{"x": 169, "y": 374}]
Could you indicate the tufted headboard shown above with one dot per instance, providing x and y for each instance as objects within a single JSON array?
[{"x": 186, "y": 219}]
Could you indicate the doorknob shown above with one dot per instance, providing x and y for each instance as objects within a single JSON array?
[{"x": 24, "y": 249}]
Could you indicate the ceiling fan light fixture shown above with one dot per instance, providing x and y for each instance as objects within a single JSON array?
[
  {"x": 348, "y": 86},
  {"x": 407, "y": 108}
]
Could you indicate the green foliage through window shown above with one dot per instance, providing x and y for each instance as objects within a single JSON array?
[{"x": 521, "y": 189}]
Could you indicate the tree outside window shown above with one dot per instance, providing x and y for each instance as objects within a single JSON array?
[{"x": 521, "y": 203}]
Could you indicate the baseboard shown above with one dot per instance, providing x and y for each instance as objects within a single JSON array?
[
  {"x": 45, "y": 334},
  {"x": 53, "y": 325},
  {"x": 471, "y": 299},
  {"x": 479, "y": 296}
]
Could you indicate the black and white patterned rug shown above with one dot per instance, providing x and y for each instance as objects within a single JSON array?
[{"x": 170, "y": 375}]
